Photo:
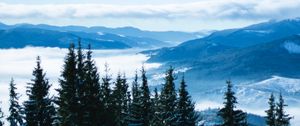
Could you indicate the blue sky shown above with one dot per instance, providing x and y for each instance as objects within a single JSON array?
[{"x": 159, "y": 15}]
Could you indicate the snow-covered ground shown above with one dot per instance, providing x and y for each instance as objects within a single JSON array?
[{"x": 253, "y": 97}]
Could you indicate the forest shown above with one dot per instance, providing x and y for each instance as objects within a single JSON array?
[{"x": 87, "y": 99}]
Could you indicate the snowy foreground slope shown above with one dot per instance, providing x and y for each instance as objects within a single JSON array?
[
  {"x": 253, "y": 98},
  {"x": 209, "y": 117}
]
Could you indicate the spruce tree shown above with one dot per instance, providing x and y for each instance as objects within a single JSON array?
[
  {"x": 230, "y": 116},
  {"x": 120, "y": 101},
  {"x": 145, "y": 99},
  {"x": 270, "y": 119},
  {"x": 156, "y": 117},
  {"x": 39, "y": 109},
  {"x": 185, "y": 107},
  {"x": 136, "y": 106},
  {"x": 282, "y": 119},
  {"x": 168, "y": 99},
  {"x": 80, "y": 78},
  {"x": 106, "y": 98},
  {"x": 91, "y": 93},
  {"x": 15, "y": 117},
  {"x": 1, "y": 118},
  {"x": 67, "y": 99}
]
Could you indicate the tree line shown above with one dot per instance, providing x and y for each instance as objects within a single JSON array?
[{"x": 86, "y": 99}]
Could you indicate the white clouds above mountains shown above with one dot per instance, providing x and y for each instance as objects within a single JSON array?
[
  {"x": 214, "y": 9},
  {"x": 205, "y": 14}
]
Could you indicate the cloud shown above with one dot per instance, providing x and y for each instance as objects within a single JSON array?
[
  {"x": 19, "y": 64},
  {"x": 207, "y": 9}
]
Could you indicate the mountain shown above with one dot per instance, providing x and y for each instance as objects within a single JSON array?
[
  {"x": 171, "y": 37},
  {"x": 36, "y": 35},
  {"x": 279, "y": 57},
  {"x": 229, "y": 39},
  {"x": 256, "y": 34},
  {"x": 252, "y": 97},
  {"x": 136, "y": 42},
  {"x": 21, "y": 37}
]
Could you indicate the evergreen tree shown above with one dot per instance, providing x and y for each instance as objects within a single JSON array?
[
  {"x": 80, "y": 78},
  {"x": 282, "y": 119},
  {"x": 68, "y": 100},
  {"x": 185, "y": 108},
  {"x": 156, "y": 119},
  {"x": 107, "y": 99},
  {"x": 145, "y": 99},
  {"x": 270, "y": 119},
  {"x": 136, "y": 107},
  {"x": 230, "y": 116},
  {"x": 1, "y": 117},
  {"x": 91, "y": 93},
  {"x": 120, "y": 101},
  {"x": 15, "y": 118},
  {"x": 39, "y": 109},
  {"x": 168, "y": 99}
]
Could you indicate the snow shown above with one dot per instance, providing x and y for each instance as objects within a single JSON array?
[
  {"x": 260, "y": 31},
  {"x": 121, "y": 35},
  {"x": 253, "y": 97},
  {"x": 292, "y": 47},
  {"x": 100, "y": 33}
]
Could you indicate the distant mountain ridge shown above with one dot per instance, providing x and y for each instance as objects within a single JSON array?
[
  {"x": 238, "y": 54},
  {"x": 22, "y": 37},
  {"x": 166, "y": 37}
]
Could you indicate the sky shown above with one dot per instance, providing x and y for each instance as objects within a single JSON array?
[{"x": 155, "y": 15}]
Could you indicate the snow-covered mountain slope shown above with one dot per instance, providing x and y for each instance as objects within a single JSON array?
[
  {"x": 209, "y": 117},
  {"x": 257, "y": 94},
  {"x": 253, "y": 97}
]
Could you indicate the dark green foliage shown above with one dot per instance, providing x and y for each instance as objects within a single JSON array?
[
  {"x": 185, "y": 107},
  {"x": 15, "y": 117},
  {"x": 156, "y": 119},
  {"x": 91, "y": 93},
  {"x": 282, "y": 119},
  {"x": 80, "y": 82},
  {"x": 167, "y": 100},
  {"x": 136, "y": 107},
  {"x": 107, "y": 99},
  {"x": 39, "y": 109},
  {"x": 67, "y": 99},
  {"x": 1, "y": 117},
  {"x": 271, "y": 117},
  {"x": 120, "y": 101},
  {"x": 145, "y": 99},
  {"x": 230, "y": 116}
]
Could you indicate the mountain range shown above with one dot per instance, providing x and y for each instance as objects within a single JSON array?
[
  {"x": 255, "y": 52},
  {"x": 21, "y": 35}
]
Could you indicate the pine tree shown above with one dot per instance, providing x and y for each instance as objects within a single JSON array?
[
  {"x": 270, "y": 119},
  {"x": 15, "y": 118},
  {"x": 68, "y": 100},
  {"x": 156, "y": 118},
  {"x": 136, "y": 107},
  {"x": 91, "y": 93},
  {"x": 39, "y": 109},
  {"x": 230, "y": 116},
  {"x": 80, "y": 77},
  {"x": 145, "y": 99},
  {"x": 106, "y": 98},
  {"x": 282, "y": 119},
  {"x": 120, "y": 101},
  {"x": 185, "y": 107},
  {"x": 168, "y": 99},
  {"x": 1, "y": 117}
]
